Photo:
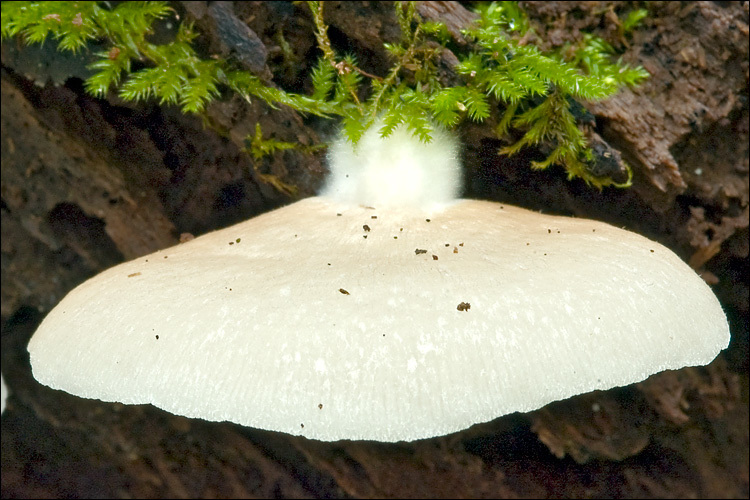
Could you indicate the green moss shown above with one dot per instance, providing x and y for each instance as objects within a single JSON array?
[{"x": 529, "y": 91}]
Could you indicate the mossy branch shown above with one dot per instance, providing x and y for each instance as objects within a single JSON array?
[{"x": 531, "y": 90}]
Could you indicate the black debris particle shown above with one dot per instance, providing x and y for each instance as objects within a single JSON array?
[
  {"x": 302, "y": 425},
  {"x": 549, "y": 231},
  {"x": 464, "y": 306},
  {"x": 434, "y": 257},
  {"x": 428, "y": 220},
  {"x": 338, "y": 215},
  {"x": 395, "y": 237},
  {"x": 320, "y": 406},
  {"x": 652, "y": 250},
  {"x": 157, "y": 337},
  {"x": 138, "y": 273},
  {"x": 419, "y": 251},
  {"x": 593, "y": 230},
  {"x": 166, "y": 256},
  {"x": 366, "y": 228},
  {"x": 343, "y": 291},
  {"x": 447, "y": 244},
  {"x": 364, "y": 236}
]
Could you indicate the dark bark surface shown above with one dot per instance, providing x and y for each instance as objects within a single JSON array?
[{"x": 88, "y": 183}]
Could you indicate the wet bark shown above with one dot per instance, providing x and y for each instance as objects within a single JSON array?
[{"x": 88, "y": 183}]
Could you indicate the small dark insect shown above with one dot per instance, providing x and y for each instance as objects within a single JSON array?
[
  {"x": 138, "y": 273},
  {"x": 113, "y": 53},
  {"x": 460, "y": 244},
  {"x": 455, "y": 249},
  {"x": 428, "y": 220},
  {"x": 343, "y": 291},
  {"x": 231, "y": 242},
  {"x": 302, "y": 425},
  {"x": 374, "y": 217},
  {"x": 238, "y": 240},
  {"x": 166, "y": 256},
  {"x": 434, "y": 257},
  {"x": 652, "y": 251},
  {"x": 464, "y": 306},
  {"x": 366, "y": 228},
  {"x": 157, "y": 337},
  {"x": 419, "y": 251},
  {"x": 364, "y": 236},
  {"x": 338, "y": 215},
  {"x": 320, "y": 406},
  {"x": 549, "y": 231}
]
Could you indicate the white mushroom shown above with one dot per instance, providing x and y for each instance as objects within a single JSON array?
[
  {"x": 3, "y": 394},
  {"x": 382, "y": 320}
]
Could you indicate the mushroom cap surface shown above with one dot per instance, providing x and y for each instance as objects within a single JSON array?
[
  {"x": 327, "y": 320},
  {"x": 3, "y": 394}
]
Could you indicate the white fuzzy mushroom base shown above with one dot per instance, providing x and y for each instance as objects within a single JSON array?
[
  {"x": 397, "y": 171},
  {"x": 294, "y": 321}
]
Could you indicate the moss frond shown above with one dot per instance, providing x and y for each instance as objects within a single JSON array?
[
  {"x": 517, "y": 75},
  {"x": 531, "y": 90}
]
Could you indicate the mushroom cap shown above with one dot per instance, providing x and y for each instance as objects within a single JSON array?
[
  {"x": 3, "y": 394},
  {"x": 327, "y": 320}
]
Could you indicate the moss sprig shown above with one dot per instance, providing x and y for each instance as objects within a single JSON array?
[
  {"x": 172, "y": 73},
  {"x": 535, "y": 88},
  {"x": 529, "y": 92}
]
